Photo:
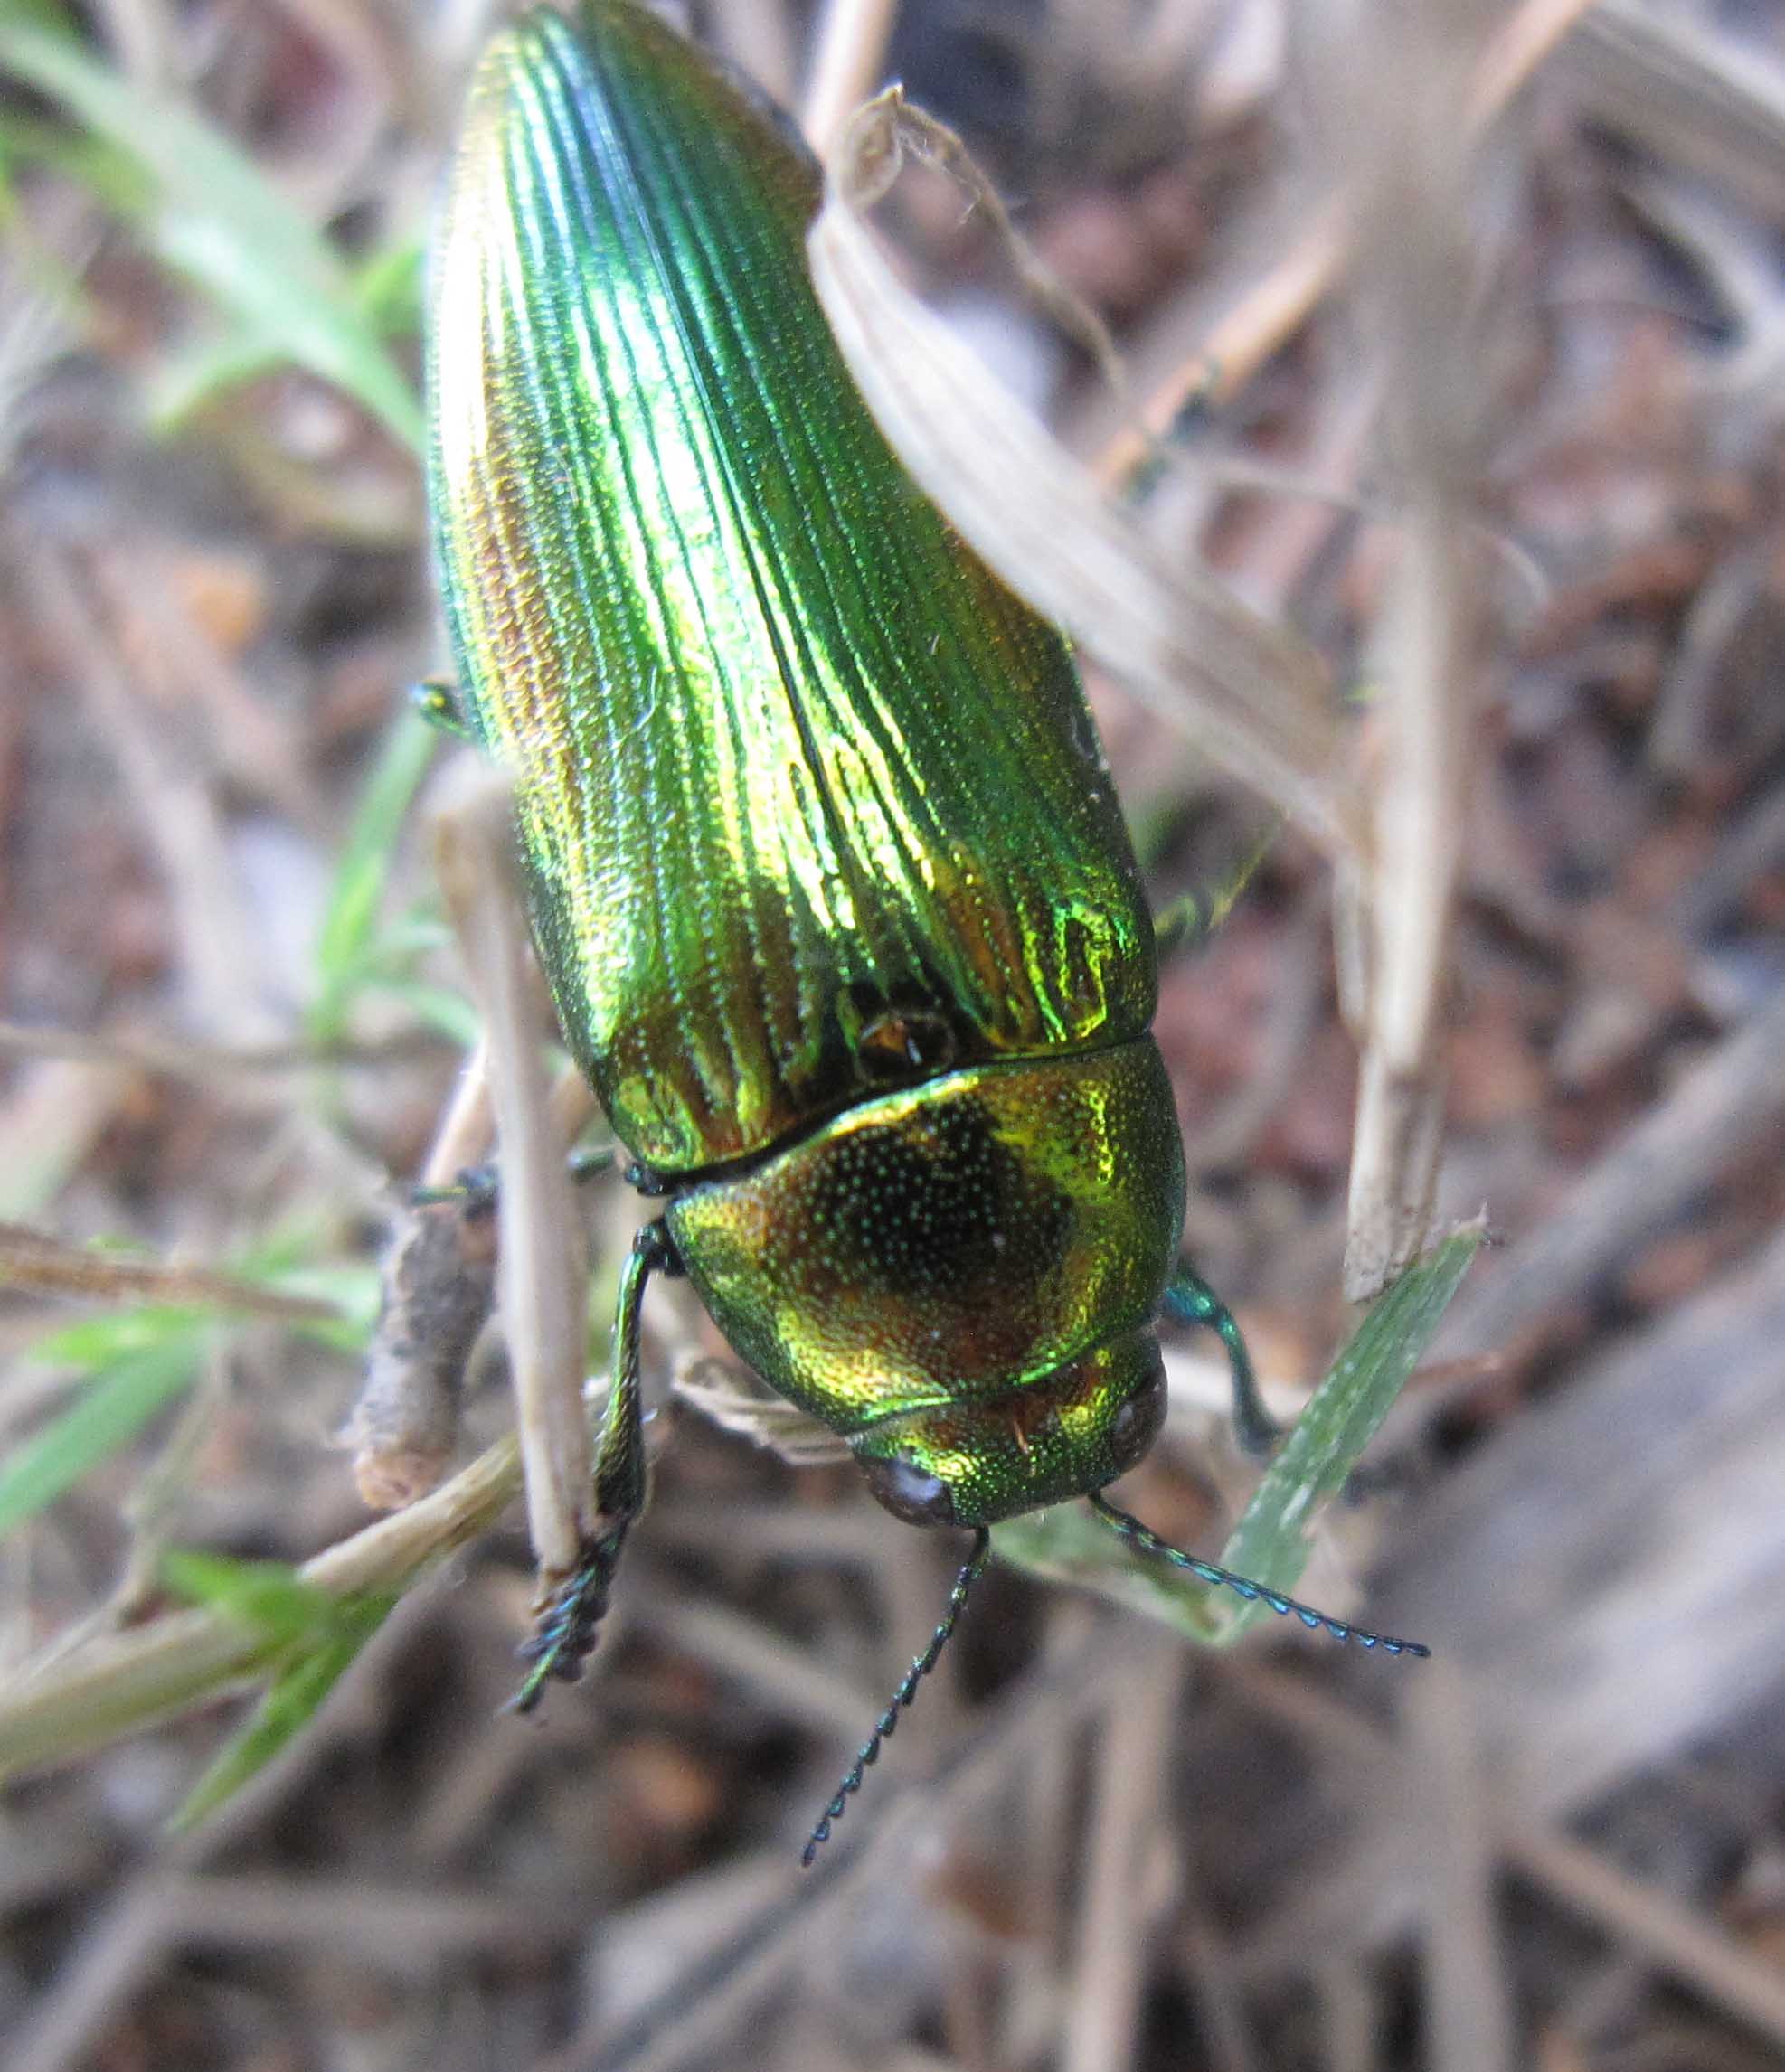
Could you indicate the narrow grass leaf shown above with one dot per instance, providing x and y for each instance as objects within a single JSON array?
[
  {"x": 1271, "y": 1543},
  {"x": 271, "y": 1596},
  {"x": 190, "y": 377},
  {"x": 359, "y": 878},
  {"x": 350, "y": 1287},
  {"x": 208, "y": 212},
  {"x": 1066, "y": 1544},
  {"x": 388, "y": 283},
  {"x": 103, "y": 1419},
  {"x": 110, "y": 177},
  {"x": 387, "y": 286},
  {"x": 95, "y": 1344},
  {"x": 300, "y": 1686}
]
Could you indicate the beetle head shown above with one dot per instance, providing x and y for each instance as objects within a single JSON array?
[{"x": 1062, "y": 1435}]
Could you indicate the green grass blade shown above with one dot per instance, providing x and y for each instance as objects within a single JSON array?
[
  {"x": 1271, "y": 1542},
  {"x": 344, "y": 952},
  {"x": 209, "y": 212},
  {"x": 437, "y": 1007},
  {"x": 331, "y": 1632},
  {"x": 389, "y": 284},
  {"x": 1065, "y": 1544},
  {"x": 98, "y": 1344},
  {"x": 191, "y": 377},
  {"x": 388, "y": 288},
  {"x": 271, "y": 1596},
  {"x": 107, "y": 1415}
]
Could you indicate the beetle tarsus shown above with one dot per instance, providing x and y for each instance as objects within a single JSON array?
[
  {"x": 567, "y": 1631},
  {"x": 559, "y": 1646}
]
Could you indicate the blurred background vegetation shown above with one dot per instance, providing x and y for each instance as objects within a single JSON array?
[{"x": 232, "y": 1018}]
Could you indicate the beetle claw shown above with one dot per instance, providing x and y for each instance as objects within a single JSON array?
[{"x": 561, "y": 1645}]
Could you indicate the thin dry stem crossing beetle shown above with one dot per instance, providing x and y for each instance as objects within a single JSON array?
[{"x": 823, "y": 861}]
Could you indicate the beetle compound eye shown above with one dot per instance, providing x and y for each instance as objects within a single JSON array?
[{"x": 910, "y": 1492}]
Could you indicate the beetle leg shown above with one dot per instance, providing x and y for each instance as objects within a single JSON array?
[
  {"x": 1189, "y": 1299},
  {"x": 476, "y": 1185},
  {"x": 565, "y": 1636}
]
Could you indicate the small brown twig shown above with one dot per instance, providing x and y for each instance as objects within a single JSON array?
[
  {"x": 174, "y": 1058},
  {"x": 38, "y": 1262},
  {"x": 437, "y": 1283}
]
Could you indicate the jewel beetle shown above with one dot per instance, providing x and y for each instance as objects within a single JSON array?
[{"x": 824, "y": 866}]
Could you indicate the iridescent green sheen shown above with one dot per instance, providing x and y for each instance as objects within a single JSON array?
[
  {"x": 826, "y": 870},
  {"x": 975, "y": 1268},
  {"x": 810, "y": 805}
]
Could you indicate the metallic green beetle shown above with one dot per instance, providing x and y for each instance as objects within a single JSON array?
[{"x": 825, "y": 864}]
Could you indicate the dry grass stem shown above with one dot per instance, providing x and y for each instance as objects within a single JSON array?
[
  {"x": 1733, "y": 1098},
  {"x": 1675, "y": 1938},
  {"x": 1263, "y": 319},
  {"x": 37, "y": 1263},
  {"x": 1229, "y": 355},
  {"x": 846, "y": 67},
  {"x": 173, "y": 1059},
  {"x": 1664, "y": 1933},
  {"x": 1467, "y": 2015},
  {"x": 1103, "y": 2000},
  {"x": 466, "y": 1131},
  {"x": 544, "y": 1265},
  {"x": 759, "y": 35},
  {"x": 1250, "y": 696},
  {"x": 1709, "y": 102},
  {"x": 730, "y": 1397},
  {"x": 127, "y": 1682},
  {"x": 1416, "y": 287},
  {"x": 1609, "y": 1567},
  {"x": 887, "y": 131},
  {"x": 1396, "y": 1150},
  {"x": 1517, "y": 48},
  {"x": 1350, "y": 2022}
]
